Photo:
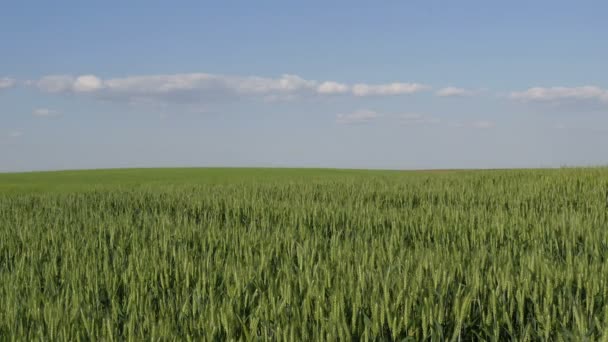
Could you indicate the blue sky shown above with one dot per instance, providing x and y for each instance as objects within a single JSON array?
[{"x": 399, "y": 85}]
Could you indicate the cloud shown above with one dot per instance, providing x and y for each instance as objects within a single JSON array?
[
  {"x": 45, "y": 112},
  {"x": 332, "y": 88},
  {"x": 87, "y": 83},
  {"x": 454, "y": 91},
  {"x": 362, "y": 89},
  {"x": 366, "y": 116},
  {"x": 6, "y": 83},
  {"x": 258, "y": 85},
  {"x": 55, "y": 83},
  {"x": 417, "y": 119},
  {"x": 560, "y": 125},
  {"x": 358, "y": 117},
  {"x": 201, "y": 86},
  {"x": 15, "y": 134},
  {"x": 482, "y": 124},
  {"x": 557, "y": 94}
]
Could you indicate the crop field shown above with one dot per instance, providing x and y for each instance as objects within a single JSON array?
[{"x": 304, "y": 254}]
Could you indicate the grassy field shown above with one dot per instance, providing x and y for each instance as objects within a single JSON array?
[{"x": 292, "y": 254}]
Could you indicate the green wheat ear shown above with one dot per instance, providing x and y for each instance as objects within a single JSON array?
[{"x": 306, "y": 255}]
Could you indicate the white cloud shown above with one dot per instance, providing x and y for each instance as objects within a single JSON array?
[
  {"x": 560, "y": 125},
  {"x": 362, "y": 89},
  {"x": 552, "y": 94},
  {"x": 266, "y": 86},
  {"x": 358, "y": 117},
  {"x": 87, "y": 83},
  {"x": 55, "y": 83},
  {"x": 201, "y": 86},
  {"x": 366, "y": 116},
  {"x": 454, "y": 91},
  {"x": 68, "y": 83},
  {"x": 45, "y": 112},
  {"x": 6, "y": 83},
  {"x": 333, "y": 88},
  {"x": 482, "y": 124},
  {"x": 417, "y": 119}
]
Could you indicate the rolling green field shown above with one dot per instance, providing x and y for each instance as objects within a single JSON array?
[{"x": 295, "y": 254}]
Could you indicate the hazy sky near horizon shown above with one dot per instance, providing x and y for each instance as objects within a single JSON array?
[{"x": 394, "y": 84}]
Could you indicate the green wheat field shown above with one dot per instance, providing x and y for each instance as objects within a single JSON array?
[{"x": 304, "y": 254}]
